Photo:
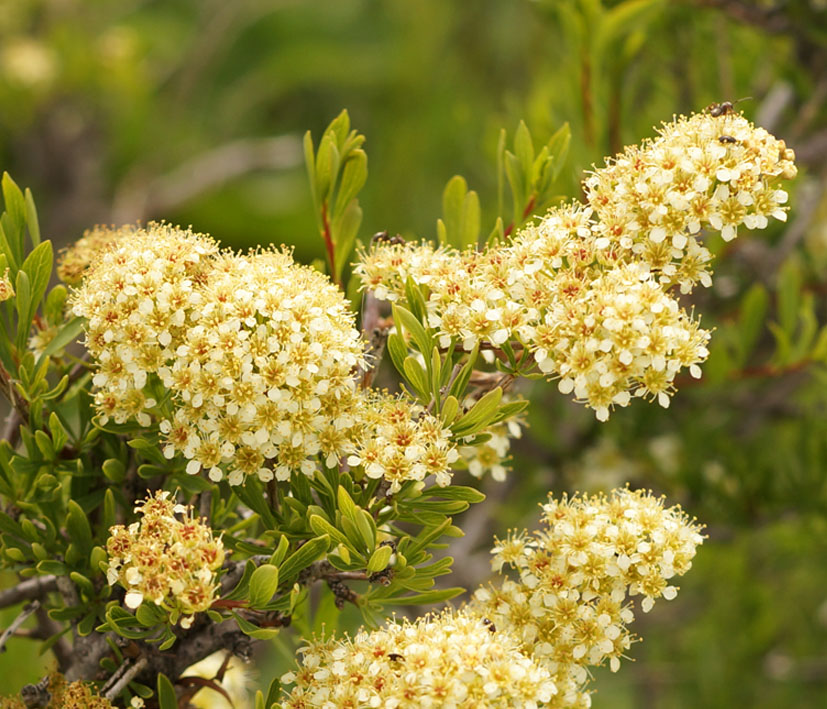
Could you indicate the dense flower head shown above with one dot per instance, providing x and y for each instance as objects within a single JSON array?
[
  {"x": 587, "y": 288},
  {"x": 399, "y": 441},
  {"x": 165, "y": 560},
  {"x": 75, "y": 260},
  {"x": 703, "y": 172},
  {"x": 257, "y": 352},
  {"x": 452, "y": 660},
  {"x": 569, "y": 605}
]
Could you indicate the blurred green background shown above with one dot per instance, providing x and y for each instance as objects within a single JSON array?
[{"x": 193, "y": 111}]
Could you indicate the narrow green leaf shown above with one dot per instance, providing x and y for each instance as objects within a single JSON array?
[
  {"x": 453, "y": 203},
  {"x": 31, "y": 218},
  {"x": 354, "y": 175},
  {"x": 345, "y": 227},
  {"x": 305, "y": 555},
  {"x": 254, "y": 631},
  {"x": 406, "y": 319},
  {"x": 77, "y": 525},
  {"x": 65, "y": 336},
  {"x": 480, "y": 415},
  {"x": 524, "y": 149},
  {"x": 397, "y": 351},
  {"x": 322, "y": 526},
  {"x": 167, "y": 699},
  {"x": 416, "y": 377}
]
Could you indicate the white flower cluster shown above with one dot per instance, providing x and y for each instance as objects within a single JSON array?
[
  {"x": 523, "y": 643},
  {"x": 399, "y": 441},
  {"x": 447, "y": 661},
  {"x": 569, "y": 608},
  {"x": 256, "y": 351},
  {"x": 587, "y": 289}
]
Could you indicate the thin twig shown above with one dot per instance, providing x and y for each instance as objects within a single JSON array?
[
  {"x": 27, "y": 610},
  {"x": 126, "y": 677},
  {"x": 28, "y": 590}
]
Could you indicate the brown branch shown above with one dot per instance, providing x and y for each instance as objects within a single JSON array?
[
  {"x": 28, "y": 590},
  {"x": 125, "y": 674},
  {"x": 26, "y": 611}
]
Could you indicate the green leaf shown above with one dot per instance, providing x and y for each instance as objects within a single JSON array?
[
  {"x": 367, "y": 529},
  {"x": 77, "y": 525},
  {"x": 480, "y": 415},
  {"x": 23, "y": 302},
  {"x": 417, "y": 377},
  {"x": 354, "y": 175},
  {"x": 263, "y": 585},
  {"x": 558, "y": 149},
  {"x": 65, "y": 336},
  {"x": 38, "y": 266},
  {"x": 511, "y": 409},
  {"x": 404, "y": 318},
  {"x": 789, "y": 293},
  {"x": 273, "y": 693},
  {"x": 524, "y": 149},
  {"x": 379, "y": 560},
  {"x": 449, "y": 410},
  {"x": 397, "y": 351},
  {"x": 300, "y": 559},
  {"x": 327, "y": 167},
  {"x": 310, "y": 164},
  {"x": 345, "y": 228},
  {"x": 455, "y": 492},
  {"x": 31, "y": 218},
  {"x": 751, "y": 319},
  {"x": 281, "y": 550},
  {"x": 167, "y": 699},
  {"x": 254, "y": 631},
  {"x": 321, "y": 526},
  {"x": 50, "y": 566},
  {"x": 453, "y": 201},
  {"x": 14, "y": 220},
  {"x": 464, "y": 376}
]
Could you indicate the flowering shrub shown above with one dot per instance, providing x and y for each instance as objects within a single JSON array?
[{"x": 219, "y": 448}]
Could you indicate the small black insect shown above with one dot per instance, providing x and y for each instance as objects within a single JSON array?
[
  {"x": 396, "y": 657},
  {"x": 721, "y": 109},
  {"x": 384, "y": 236},
  {"x": 489, "y": 624},
  {"x": 727, "y": 139}
]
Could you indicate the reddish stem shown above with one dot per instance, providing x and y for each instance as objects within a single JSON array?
[
  {"x": 526, "y": 212},
  {"x": 226, "y": 603},
  {"x": 328, "y": 242}
]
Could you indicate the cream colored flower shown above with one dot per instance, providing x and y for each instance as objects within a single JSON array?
[
  {"x": 167, "y": 561},
  {"x": 588, "y": 288}
]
